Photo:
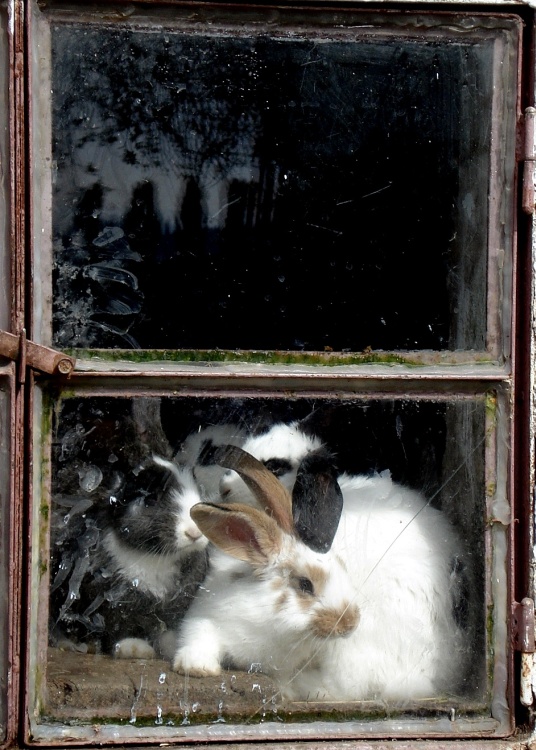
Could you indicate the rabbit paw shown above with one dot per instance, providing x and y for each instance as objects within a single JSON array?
[
  {"x": 196, "y": 664},
  {"x": 133, "y": 648}
]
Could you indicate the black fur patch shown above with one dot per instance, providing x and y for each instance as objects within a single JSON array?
[
  {"x": 208, "y": 453},
  {"x": 278, "y": 466},
  {"x": 317, "y": 501}
]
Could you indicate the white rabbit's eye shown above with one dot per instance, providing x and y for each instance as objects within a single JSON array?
[{"x": 306, "y": 585}]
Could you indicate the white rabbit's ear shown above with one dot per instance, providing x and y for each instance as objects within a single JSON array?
[
  {"x": 241, "y": 531},
  {"x": 317, "y": 501}
]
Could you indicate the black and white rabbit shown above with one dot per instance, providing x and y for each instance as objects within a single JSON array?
[
  {"x": 152, "y": 547},
  {"x": 398, "y": 563},
  {"x": 135, "y": 564},
  {"x": 281, "y": 448},
  {"x": 126, "y": 570}
]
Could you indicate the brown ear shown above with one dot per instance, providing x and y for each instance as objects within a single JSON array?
[
  {"x": 267, "y": 489},
  {"x": 243, "y": 532}
]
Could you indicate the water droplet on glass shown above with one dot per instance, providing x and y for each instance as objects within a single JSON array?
[
  {"x": 162, "y": 678},
  {"x": 159, "y": 720},
  {"x": 195, "y": 707},
  {"x": 281, "y": 279},
  {"x": 90, "y": 478},
  {"x": 135, "y": 582},
  {"x": 220, "y": 719},
  {"x": 107, "y": 236}
]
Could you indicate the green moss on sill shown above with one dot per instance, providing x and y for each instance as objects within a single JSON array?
[{"x": 330, "y": 359}]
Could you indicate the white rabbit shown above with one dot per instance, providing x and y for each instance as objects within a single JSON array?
[
  {"x": 268, "y": 598},
  {"x": 401, "y": 558},
  {"x": 409, "y": 568}
]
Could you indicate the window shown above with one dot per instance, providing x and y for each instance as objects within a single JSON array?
[{"x": 283, "y": 245}]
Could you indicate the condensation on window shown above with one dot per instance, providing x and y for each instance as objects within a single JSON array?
[
  {"x": 348, "y": 573},
  {"x": 282, "y": 191}
]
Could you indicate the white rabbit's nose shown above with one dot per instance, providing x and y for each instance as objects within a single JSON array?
[{"x": 193, "y": 534}]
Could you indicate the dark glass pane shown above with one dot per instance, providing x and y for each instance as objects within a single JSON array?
[
  {"x": 249, "y": 190},
  {"x": 124, "y": 566}
]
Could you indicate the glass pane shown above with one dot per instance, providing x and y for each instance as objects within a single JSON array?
[
  {"x": 379, "y": 596},
  {"x": 280, "y": 186}
]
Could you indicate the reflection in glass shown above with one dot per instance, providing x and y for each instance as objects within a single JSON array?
[
  {"x": 258, "y": 192},
  {"x": 402, "y": 562}
]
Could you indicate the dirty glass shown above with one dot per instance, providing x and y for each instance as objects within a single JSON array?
[
  {"x": 228, "y": 553},
  {"x": 303, "y": 189},
  {"x": 130, "y": 577}
]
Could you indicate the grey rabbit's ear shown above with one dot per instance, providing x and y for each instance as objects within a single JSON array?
[{"x": 317, "y": 501}]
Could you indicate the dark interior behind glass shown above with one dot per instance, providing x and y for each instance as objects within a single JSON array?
[{"x": 282, "y": 191}]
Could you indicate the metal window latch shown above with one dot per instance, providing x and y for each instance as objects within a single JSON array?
[
  {"x": 528, "y": 158},
  {"x": 28, "y": 354},
  {"x": 523, "y": 634}
]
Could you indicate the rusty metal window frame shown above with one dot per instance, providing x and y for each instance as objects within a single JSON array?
[{"x": 121, "y": 377}]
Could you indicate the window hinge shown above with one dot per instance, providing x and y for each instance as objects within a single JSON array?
[
  {"x": 528, "y": 161},
  {"x": 523, "y": 634},
  {"x": 28, "y": 354}
]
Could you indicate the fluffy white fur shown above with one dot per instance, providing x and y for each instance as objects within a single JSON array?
[
  {"x": 150, "y": 573},
  {"x": 399, "y": 554},
  {"x": 184, "y": 496},
  {"x": 238, "y": 617},
  {"x": 133, "y": 648}
]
